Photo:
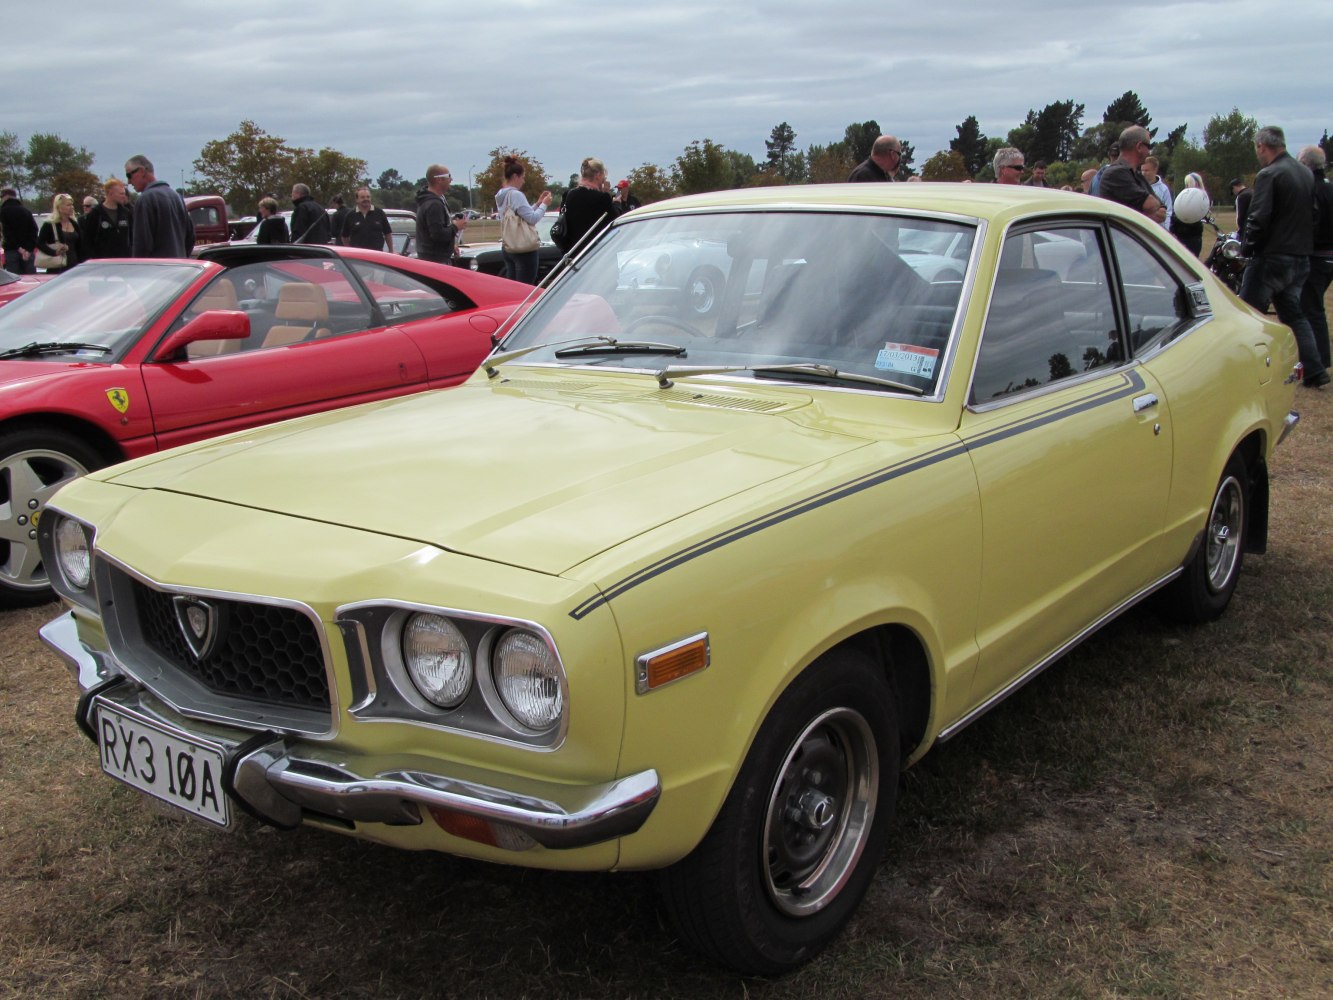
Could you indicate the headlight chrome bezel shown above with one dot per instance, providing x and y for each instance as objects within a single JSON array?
[{"x": 383, "y": 687}]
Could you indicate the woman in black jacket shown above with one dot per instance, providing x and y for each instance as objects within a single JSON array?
[
  {"x": 272, "y": 226},
  {"x": 60, "y": 234}
]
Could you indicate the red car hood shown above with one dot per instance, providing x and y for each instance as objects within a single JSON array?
[{"x": 26, "y": 283}]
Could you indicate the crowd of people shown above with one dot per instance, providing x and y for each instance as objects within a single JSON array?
[{"x": 1285, "y": 224}]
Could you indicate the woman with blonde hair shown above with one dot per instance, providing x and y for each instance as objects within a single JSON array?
[
  {"x": 586, "y": 206},
  {"x": 518, "y": 219},
  {"x": 59, "y": 236},
  {"x": 1190, "y": 233}
]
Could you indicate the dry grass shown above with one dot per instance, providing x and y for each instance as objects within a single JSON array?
[{"x": 1151, "y": 819}]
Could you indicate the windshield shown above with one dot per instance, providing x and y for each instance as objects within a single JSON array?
[
  {"x": 106, "y": 305},
  {"x": 870, "y": 295}
]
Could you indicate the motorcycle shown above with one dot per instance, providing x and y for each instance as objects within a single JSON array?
[{"x": 1225, "y": 259}]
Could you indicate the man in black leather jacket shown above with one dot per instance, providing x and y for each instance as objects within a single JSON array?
[
  {"x": 310, "y": 223},
  {"x": 1321, "y": 260},
  {"x": 1279, "y": 237}
]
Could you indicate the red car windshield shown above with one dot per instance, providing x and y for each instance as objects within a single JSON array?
[{"x": 105, "y": 304}]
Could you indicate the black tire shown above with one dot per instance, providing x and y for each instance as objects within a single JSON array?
[
  {"x": 797, "y": 841},
  {"x": 34, "y": 463},
  {"x": 1203, "y": 591},
  {"x": 703, "y": 291}
]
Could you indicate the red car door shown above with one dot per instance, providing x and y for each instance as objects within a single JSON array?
[{"x": 315, "y": 344}]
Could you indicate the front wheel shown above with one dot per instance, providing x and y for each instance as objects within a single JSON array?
[
  {"x": 33, "y": 465},
  {"x": 703, "y": 291},
  {"x": 1204, "y": 589},
  {"x": 798, "y": 838}
]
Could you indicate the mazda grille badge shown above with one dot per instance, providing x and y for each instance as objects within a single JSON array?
[{"x": 198, "y": 623}]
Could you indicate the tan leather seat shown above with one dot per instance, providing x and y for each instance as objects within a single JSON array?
[
  {"x": 219, "y": 295},
  {"x": 301, "y": 310}
]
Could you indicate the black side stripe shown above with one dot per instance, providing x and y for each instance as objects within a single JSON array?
[{"x": 1131, "y": 383}]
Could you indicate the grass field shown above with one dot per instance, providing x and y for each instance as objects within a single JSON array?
[{"x": 1152, "y": 818}]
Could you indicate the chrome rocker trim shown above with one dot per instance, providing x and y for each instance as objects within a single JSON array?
[{"x": 269, "y": 780}]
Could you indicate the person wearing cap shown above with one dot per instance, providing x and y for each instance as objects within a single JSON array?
[
  {"x": 624, "y": 201},
  {"x": 20, "y": 233}
]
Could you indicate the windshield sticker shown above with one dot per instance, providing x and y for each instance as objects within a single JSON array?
[{"x": 908, "y": 359}]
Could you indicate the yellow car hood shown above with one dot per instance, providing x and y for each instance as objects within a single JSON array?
[{"x": 543, "y": 475}]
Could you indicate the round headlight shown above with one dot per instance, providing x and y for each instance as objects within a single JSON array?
[
  {"x": 472, "y": 263},
  {"x": 438, "y": 659},
  {"x": 527, "y": 679},
  {"x": 76, "y": 564}
]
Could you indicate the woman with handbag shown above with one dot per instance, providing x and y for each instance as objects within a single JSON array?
[
  {"x": 586, "y": 205},
  {"x": 58, "y": 240},
  {"x": 518, "y": 224}
]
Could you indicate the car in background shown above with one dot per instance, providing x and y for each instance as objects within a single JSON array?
[
  {"x": 663, "y": 588},
  {"x": 486, "y": 256},
  {"x": 121, "y": 358},
  {"x": 13, "y": 285},
  {"x": 402, "y": 221}
]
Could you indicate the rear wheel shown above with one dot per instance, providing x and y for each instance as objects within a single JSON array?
[
  {"x": 703, "y": 291},
  {"x": 33, "y": 465},
  {"x": 1204, "y": 589},
  {"x": 796, "y": 843}
]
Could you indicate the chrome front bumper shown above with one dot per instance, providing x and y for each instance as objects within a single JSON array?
[{"x": 282, "y": 786}]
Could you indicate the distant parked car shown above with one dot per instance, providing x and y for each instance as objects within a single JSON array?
[
  {"x": 120, "y": 358},
  {"x": 486, "y": 256},
  {"x": 13, "y": 285}
]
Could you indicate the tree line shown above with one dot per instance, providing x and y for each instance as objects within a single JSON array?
[{"x": 250, "y": 162}]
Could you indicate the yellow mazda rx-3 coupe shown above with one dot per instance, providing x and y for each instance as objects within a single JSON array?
[{"x": 769, "y": 493}]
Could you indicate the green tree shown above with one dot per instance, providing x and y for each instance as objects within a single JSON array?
[
  {"x": 650, "y": 183},
  {"x": 1165, "y": 149},
  {"x": 327, "y": 173},
  {"x": 946, "y": 165},
  {"x": 905, "y": 168},
  {"x": 49, "y": 157},
  {"x": 703, "y": 166},
  {"x": 1051, "y": 133},
  {"x": 970, "y": 145},
  {"x": 491, "y": 179},
  {"x": 245, "y": 166},
  {"x": 859, "y": 137},
  {"x": 1127, "y": 109},
  {"x": 77, "y": 184},
  {"x": 783, "y": 157},
  {"x": 13, "y": 162},
  {"x": 1326, "y": 144},
  {"x": 1228, "y": 142},
  {"x": 742, "y": 168},
  {"x": 829, "y": 164}
]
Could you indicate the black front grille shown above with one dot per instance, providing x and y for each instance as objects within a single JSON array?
[{"x": 262, "y": 652}]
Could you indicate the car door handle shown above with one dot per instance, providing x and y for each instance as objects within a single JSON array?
[{"x": 1142, "y": 403}]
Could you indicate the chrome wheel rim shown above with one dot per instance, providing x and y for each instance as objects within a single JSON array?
[
  {"x": 702, "y": 293},
  {"x": 27, "y": 481},
  {"x": 1224, "y": 533},
  {"x": 820, "y": 811}
]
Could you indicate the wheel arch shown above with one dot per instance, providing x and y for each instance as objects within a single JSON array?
[
  {"x": 88, "y": 432},
  {"x": 1252, "y": 450},
  {"x": 901, "y": 655}
]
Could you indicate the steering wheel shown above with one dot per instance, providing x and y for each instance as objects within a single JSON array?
[{"x": 662, "y": 320}]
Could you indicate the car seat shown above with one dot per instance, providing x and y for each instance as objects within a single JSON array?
[{"x": 302, "y": 309}]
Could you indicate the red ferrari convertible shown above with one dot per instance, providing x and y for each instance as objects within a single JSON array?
[{"x": 119, "y": 358}]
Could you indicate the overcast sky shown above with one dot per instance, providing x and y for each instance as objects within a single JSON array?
[{"x": 403, "y": 83}]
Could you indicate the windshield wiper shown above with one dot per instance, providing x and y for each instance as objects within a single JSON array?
[
  {"x": 824, "y": 372},
  {"x": 491, "y": 363},
  {"x": 613, "y": 346},
  {"x": 51, "y": 347}
]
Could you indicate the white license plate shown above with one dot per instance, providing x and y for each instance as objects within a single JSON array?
[{"x": 163, "y": 762}]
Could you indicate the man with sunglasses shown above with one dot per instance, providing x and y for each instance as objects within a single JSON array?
[
  {"x": 1123, "y": 180},
  {"x": 162, "y": 226},
  {"x": 1008, "y": 165},
  {"x": 882, "y": 163}
]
